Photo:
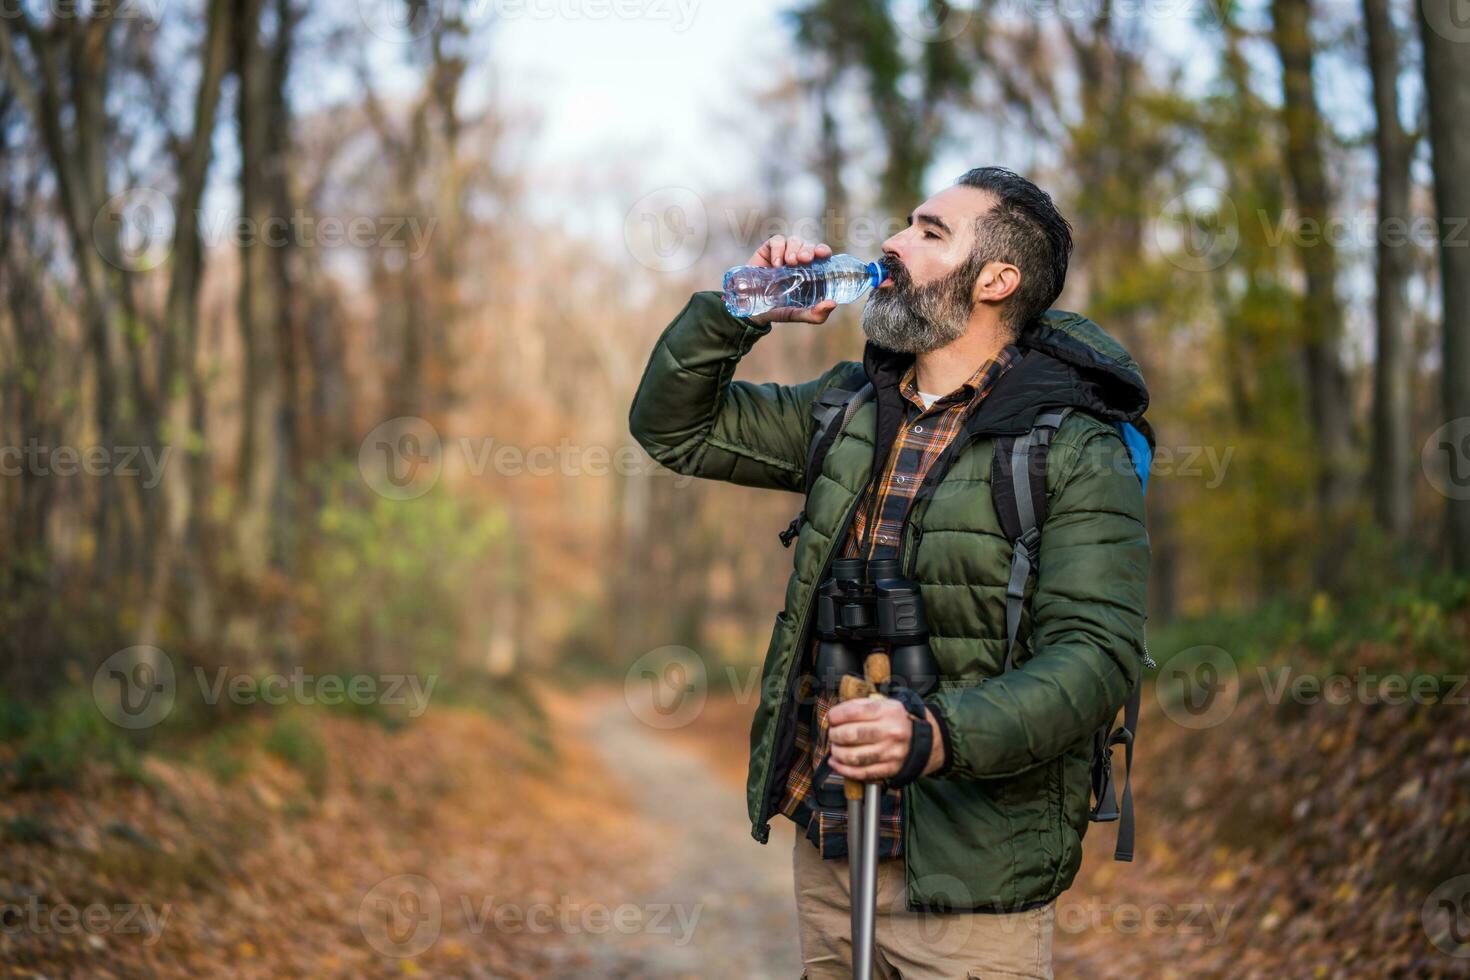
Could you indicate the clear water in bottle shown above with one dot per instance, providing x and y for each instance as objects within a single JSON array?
[{"x": 752, "y": 290}]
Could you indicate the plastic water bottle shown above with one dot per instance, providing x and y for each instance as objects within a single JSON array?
[{"x": 752, "y": 290}]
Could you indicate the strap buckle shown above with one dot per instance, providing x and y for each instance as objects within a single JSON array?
[{"x": 792, "y": 530}]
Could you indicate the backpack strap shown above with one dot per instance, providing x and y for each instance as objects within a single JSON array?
[
  {"x": 1107, "y": 809},
  {"x": 832, "y": 410},
  {"x": 1126, "y": 736},
  {"x": 1139, "y": 438},
  {"x": 1018, "y": 484}
]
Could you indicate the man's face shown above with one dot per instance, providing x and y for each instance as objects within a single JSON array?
[{"x": 932, "y": 267}]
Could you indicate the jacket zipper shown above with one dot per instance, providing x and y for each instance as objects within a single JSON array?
[
  {"x": 798, "y": 655},
  {"x": 763, "y": 825},
  {"x": 912, "y": 552}
]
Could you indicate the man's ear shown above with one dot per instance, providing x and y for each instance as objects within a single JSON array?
[{"x": 997, "y": 280}]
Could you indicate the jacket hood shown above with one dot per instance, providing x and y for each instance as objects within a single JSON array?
[{"x": 1067, "y": 361}]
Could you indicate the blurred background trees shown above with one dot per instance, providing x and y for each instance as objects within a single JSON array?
[{"x": 178, "y": 282}]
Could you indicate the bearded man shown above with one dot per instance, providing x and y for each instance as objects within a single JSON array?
[{"x": 987, "y": 778}]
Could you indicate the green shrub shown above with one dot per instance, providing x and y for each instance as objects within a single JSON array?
[
  {"x": 27, "y": 830},
  {"x": 16, "y": 718},
  {"x": 390, "y": 585},
  {"x": 1418, "y": 621},
  {"x": 221, "y": 756},
  {"x": 294, "y": 740},
  {"x": 67, "y": 734}
]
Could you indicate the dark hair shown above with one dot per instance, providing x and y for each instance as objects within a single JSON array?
[{"x": 1025, "y": 229}]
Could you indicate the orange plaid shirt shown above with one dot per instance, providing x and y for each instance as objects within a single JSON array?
[{"x": 876, "y": 532}]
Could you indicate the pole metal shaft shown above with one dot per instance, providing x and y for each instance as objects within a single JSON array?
[
  {"x": 854, "y": 860},
  {"x": 867, "y": 900}
]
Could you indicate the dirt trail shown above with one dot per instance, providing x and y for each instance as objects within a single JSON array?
[{"x": 726, "y": 901}]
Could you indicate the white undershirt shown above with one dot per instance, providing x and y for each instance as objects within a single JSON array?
[{"x": 929, "y": 399}]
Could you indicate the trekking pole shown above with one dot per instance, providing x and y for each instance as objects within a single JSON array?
[
  {"x": 854, "y": 687},
  {"x": 863, "y": 859}
]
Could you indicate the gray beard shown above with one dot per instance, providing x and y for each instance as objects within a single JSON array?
[{"x": 918, "y": 319}]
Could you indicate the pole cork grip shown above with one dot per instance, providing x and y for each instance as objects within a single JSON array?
[
  {"x": 853, "y": 687},
  {"x": 877, "y": 669}
]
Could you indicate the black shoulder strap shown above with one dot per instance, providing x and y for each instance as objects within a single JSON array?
[
  {"x": 1018, "y": 485},
  {"x": 1107, "y": 808},
  {"x": 1127, "y": 735},
  {"x": 833, "y": 409}
]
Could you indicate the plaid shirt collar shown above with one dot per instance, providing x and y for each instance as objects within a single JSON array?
[{"x": 970, "y": 389}]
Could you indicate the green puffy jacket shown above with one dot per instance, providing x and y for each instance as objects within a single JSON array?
[{"x": 1001, "y": 829}]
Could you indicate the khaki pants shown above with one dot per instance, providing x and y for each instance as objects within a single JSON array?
[{"x": 911, "y": 945}]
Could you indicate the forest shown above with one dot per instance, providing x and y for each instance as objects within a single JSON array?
[{"x": 313, "y": 417}]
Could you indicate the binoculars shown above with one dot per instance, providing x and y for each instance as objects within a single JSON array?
[{"x": 865, "y": 603}]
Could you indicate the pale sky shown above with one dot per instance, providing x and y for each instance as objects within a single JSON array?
[
  {"x": 650, "y": 86},
  {"x": 621, "y": 99},
  {"x": 628, "y": 105}
]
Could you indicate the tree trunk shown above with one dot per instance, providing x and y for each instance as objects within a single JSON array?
[
  {"x": 831, "y": 345},
  {"x": 1321, "y": 313},
  {"x": 1392, "y": 473},
  {"x": 179, "y": 339},
  {"x": 260, "y": 308},
  {"x": 1447, "y": 87}
]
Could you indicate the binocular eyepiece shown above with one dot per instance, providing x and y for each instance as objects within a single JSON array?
[{"x": 866, "y": 603}]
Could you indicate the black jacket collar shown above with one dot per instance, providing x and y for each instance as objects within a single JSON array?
[{"x": 1057, "y": 369}]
